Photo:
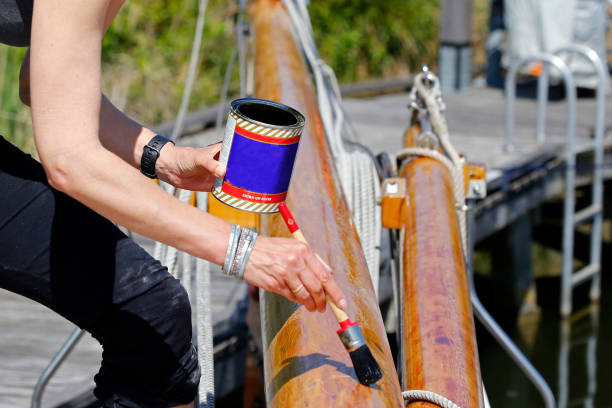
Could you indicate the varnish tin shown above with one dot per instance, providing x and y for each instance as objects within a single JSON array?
[{"x": 259, "y": 148}]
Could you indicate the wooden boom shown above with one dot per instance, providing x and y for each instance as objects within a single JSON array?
[
  {"x": 438, "y": 347},
  {"x": 305, "y": 364}
]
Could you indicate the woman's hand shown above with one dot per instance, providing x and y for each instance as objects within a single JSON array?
[
  {"x": 190, "y": 168},
  {"x": 289, "y": 267}
]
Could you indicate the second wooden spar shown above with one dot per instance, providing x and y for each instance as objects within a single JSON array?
[{"x": 438, "y": 350}]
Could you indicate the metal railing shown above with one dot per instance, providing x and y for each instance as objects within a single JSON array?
[
  {"x": 55, "y": 363},
  {"x": 569, "y": 278},
  {"x": 495, "y": 329}
]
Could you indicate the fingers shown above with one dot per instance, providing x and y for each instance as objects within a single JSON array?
[
  {"x": 301, "y": 295},
  {"x": 289, "y": 268},
  {"x": 313, "y": 289},
  {"x": 207, "y": 160},
  {"x": 327, "y": 281},
  {"x": 295, "y": 291}
]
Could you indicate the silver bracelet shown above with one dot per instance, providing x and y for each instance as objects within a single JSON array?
[
  {"x": 231, "y": 248},
  {"x": 243, "y": 243},
  {"x": 247, "y": 253}
]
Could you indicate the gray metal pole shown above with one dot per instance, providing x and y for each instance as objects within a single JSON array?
[
  {"x": 597, "y": 197},
  {"x": 549, "y": 59},
  {"x": 543, "y": 83},
  {"x": 56, "y": 361},
  {"x": 455, "y": 52}
]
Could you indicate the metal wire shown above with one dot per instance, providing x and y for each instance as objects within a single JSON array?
[{"x": 192, "y": 71}]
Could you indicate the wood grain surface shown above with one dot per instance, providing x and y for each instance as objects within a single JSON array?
[
  {"x": 305, "y": 363},
  {"x": 438, "y": 347}
]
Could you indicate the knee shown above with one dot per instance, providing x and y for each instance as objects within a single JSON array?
[
  {"x": 175, "y": 313},
  {"x": 151, "y": 350}
]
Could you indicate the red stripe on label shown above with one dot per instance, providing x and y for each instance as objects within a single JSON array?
[
  {"x": 267, "y": 139},
  {"x": 251, "y": 196}
]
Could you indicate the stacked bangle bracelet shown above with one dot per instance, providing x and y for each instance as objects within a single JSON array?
[{"x": 240, "y": 246}]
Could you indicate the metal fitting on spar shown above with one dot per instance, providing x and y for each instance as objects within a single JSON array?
[{"x": 351, "y": 336}]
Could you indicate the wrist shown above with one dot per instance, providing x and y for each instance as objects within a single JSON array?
[
  {"x": 150, "y": 160},
  {"x": 166, "y": 161}
]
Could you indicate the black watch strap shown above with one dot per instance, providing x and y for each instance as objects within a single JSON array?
[{"x": 150, "y": 153}]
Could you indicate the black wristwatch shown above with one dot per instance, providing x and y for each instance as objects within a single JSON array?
[{"x": 150, "y": 153}]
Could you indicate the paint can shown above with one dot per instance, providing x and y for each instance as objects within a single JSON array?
[{"x": 259, "y": 148}]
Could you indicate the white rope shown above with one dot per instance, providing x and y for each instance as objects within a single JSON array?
[
  {"x": 357, "y": 173},
  {"x": 429, "y": 396},
  {"x": 204, "y": 326},
  {"x": 454, "y": 164}
]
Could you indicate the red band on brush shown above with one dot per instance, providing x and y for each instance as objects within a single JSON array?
[
  {"x": 289, "y": 220},
  {"x": 346, "y": 324}
]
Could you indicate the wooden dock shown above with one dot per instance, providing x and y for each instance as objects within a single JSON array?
[
  {"x": 30, "y": 334},
  {"x": 517, "y": 182}
]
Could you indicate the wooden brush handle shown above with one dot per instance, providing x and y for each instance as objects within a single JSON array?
[{"x": 341, "y": 316}]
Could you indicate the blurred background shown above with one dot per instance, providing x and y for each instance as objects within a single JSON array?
[{"x": 145, "y": 62}]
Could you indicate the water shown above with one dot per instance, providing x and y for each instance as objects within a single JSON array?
[{"x": 572, "y": 355}]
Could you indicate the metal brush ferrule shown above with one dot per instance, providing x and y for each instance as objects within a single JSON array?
[{"x": 352, "y": 338}]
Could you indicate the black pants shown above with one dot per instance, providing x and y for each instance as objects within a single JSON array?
[{"x": 65, "y": 256}]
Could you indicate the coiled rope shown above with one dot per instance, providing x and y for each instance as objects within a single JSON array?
[{"x": 429, "y": 396}]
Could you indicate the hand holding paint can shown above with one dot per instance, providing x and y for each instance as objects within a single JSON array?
[{"x": 259, "y": 149}]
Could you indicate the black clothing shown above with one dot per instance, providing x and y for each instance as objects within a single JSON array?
[
  {"x": 15, "y": 22},
  {"x": 65, "y": 256}
]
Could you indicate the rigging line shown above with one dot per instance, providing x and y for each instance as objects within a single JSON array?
[
  {"x": 192, "y": 71},
  {"x": 239, "y": 50},
  {"x": 224, "y": 91},
  {"x": 241, "y": 45}
]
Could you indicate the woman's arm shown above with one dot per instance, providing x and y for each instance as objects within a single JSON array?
[
  {"x": 183, "y": 167},
  {"x": 65, "y": 98},
  {"x": 66, "y": 109}
]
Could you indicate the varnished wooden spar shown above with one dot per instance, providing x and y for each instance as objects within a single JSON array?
[
  {"x": 305, "y": 363},
  {"x": 439, "y": 342}
]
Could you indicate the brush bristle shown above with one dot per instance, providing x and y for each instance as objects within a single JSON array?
[{"x": 366, "y": 367}]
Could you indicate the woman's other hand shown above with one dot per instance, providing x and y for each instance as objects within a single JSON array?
[
  {"x": 290, "y": 268},
  {"x": 190, "y": 168}
]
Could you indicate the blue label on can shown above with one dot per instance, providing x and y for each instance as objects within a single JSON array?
[{"x": 261, "y": 166}]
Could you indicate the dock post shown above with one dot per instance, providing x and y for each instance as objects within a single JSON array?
[
  {"x": 511, "y": 266},
  {"x": 455, "y": 58}
]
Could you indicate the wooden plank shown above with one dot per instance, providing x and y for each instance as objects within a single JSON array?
[{"x": 476, "y": 120}]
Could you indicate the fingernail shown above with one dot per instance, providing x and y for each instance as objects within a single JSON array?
[
  {"x": 342, "y": 304},
  {"x": 323, "y": 262},
  {"x": 220, "y": 170}
]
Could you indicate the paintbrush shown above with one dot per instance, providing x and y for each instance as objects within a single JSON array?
[{"x": 366, "y": 367}]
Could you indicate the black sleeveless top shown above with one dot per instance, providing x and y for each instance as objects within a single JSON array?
[{"x": 15, "y": 22}]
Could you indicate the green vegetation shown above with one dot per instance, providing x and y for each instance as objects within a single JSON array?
[
  {"x": 15, "y": 123},
  {"x": 146, "y": 52},
  {"x": 363, "y": 39}
]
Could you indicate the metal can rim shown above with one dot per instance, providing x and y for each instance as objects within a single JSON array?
[{"x": 300, "y": 119}]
